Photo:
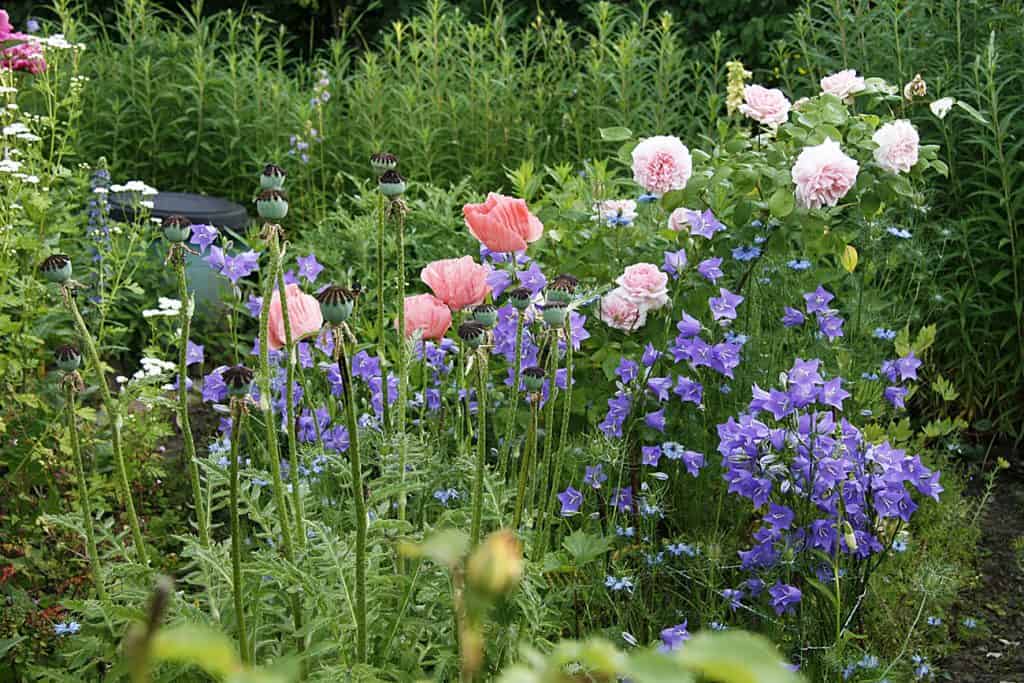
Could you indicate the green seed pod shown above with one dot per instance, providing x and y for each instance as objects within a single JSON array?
[
  {"x": 68, "y": 358},
  {"x": 533, "y": 378},
  {"x": 177, "y": 228},
  {"x": 391, "y": 184},
  {"x": 555, "y": 312},
  {"x": 272, "y": 205},
  {"x": 56, "y": 268},
  {"x": 562, "y": 288},
  {"x": 382, "y": 162},
  {"x": 238, "y": 379},
  {"x": 485, "y": 314},
  {"x": 472, "y": 333},
  {"x": 272, "y": 178},
  {"x": 336, "y": 304},
  {"x": 520, "y": 298}
]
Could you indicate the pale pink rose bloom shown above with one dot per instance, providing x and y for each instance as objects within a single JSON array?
[
  {"x": 823, "y": 175},
  {"x": 842, "y": 84},
  {"x": 768, "y": 106},
  {"x": 304, "y": 316},
  {"x": 502, "y": 223},
  {"x": 618, "y": 310},
  {"x": 897, "y": 146},
  {"x": 678, "y": 220},
  {"x": 459, "y": 282},
  {"x": 645, "y": 285},
  {"x": 661, "y": 164},
  {"x": 427, "y": 313}
]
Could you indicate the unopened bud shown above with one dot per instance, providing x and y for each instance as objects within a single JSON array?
[{"x": 496, "y": 566}]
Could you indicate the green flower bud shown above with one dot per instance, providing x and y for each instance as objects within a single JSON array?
[
  {"x": 56, "y": 268},
  {"x": 562, "y": 288}
]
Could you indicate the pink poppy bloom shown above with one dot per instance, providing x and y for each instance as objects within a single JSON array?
[
  {"x": 458, "y": 282},
  {"x": 897, "y": 146},
  {"x": 645, "y": 284},
  {"x": 661, "y": 164},
  {"x": 823, "y": 175},
  {"x": 303, "y": 315},
  {"x": 843, "y": 84},
  {"x": 427, "y": 313},
  {"x": 768, "y": 106},
  {"x": 619, "y": 311},
  {"x": 502, "y": 223}
]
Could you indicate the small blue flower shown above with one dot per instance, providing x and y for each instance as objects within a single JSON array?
[
  {"x": 934, "y": 621},
  {"x": 746, "y": 253},
  {"x": 884, "y": 334},
  {"x": 970, "y": 622},
  {"x": 799, "y": 264},
  {"x": 445, "y": 495}
]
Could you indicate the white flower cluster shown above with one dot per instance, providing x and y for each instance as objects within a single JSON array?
[
  {"x": 166, "y": 307},
  {"x": 57, "y": 42},
  {"x": 20, "y": 131},
  {"x": 153, "y": 367}
]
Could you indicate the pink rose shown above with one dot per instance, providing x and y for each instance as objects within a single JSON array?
[
  {"x": 619, "y": 311},
  {"x": 427, "y": 313},
  {"x": 842, "y": 84},
  {"x": 645, "y": 285},
  {"x": 679, "y": 220},
  {"x": 459, "y": 282},
  {"x": 897, "y": 146},
  {"x": 662, "y": 164},
  {"x": 304, "y": 316},
  {"x": 502, "y": 223},
  {"x": 766, "y": 106},
  {"x": 823, "y": 175}
]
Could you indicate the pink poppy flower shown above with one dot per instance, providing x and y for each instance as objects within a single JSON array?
[
  {"x": 823, "y": 175},
  {"x": 458, "y": 282},
  {"x": 502, "y": 223},
  {"x": 768, "y": 106},
  {"x": 661, "y": 164},
  {"x": 427, "y": 313},
  {"x": 23, "y": 56},
  {"x": 303, "y": 315}
]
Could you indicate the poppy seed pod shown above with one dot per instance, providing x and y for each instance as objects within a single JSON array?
[
  {"x": 238, "y": 379},
  {"x": 392, "y": 184},
  {"x": 472, "y": 333},
  {"x": 485, "y": 314},
  {"x": 56, "y": 268},
  {"x": 272, "y": 177},
  {"x": 554, "y": 313},
  {"x": 272, "y": 205},
  {"x": 533, "y": 378},
  {"x": 336, "y": 304},
  {"x": 562, "y": 288},
  {"x": 520, "y": 298},
  {"x": 382, "y": 162},
  {"x": 68, "y": 358},
  {"x": 177, "y": 228}
]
